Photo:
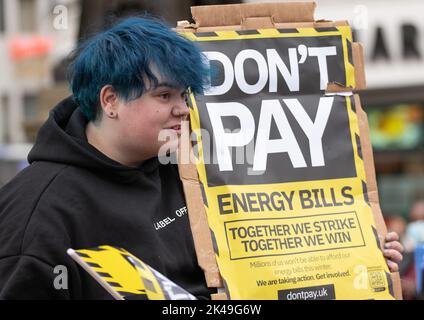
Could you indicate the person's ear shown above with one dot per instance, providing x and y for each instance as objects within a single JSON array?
[{"x": 109, "y": 101}]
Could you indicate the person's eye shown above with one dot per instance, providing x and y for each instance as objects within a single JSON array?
[{"x": 164, "y": 95}]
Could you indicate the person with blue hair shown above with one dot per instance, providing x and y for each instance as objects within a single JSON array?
[{"x": 95, "y": 177}]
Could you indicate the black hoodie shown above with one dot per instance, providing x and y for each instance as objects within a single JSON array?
[{"x": 73, "y": 196}]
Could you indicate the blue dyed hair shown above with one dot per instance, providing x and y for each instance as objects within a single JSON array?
[{"x": 123, "y": 56}]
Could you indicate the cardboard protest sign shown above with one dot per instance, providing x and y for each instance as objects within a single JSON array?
[
  {"x": 126, "y": 277},
  {"x": 283, "y": 166}
]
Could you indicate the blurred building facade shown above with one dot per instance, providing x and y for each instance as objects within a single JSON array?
[{"x": 34, "y": 37}]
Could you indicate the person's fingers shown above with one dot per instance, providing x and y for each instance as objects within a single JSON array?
[
  {"x": 395, "y": 245},
  {"x": 393, "y": 267},
  {"x": 393, "y": 255},
  {"x": 392, "y": 236}
]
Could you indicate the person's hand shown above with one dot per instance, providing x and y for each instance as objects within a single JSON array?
[{"x": 393, "y": 251}]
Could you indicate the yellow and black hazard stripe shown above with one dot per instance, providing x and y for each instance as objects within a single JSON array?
[
  {"x": 152, "y": 286},
  {"x": 127, "y": 277},
  {"x": 358, "y": 152},
  {"x": 227, "y": 292},
  {"x": 96, "y": 266},
  {"x": 388, "y": 276},
  {"x": 204, "y": 197},
  {"x": 214, "y": 242},
  {"x": 390, "y": 284},
  {"x": 194, "y": 145},
  {"x": 359, "y": 160},
  {"x": 269, "y": 32}
]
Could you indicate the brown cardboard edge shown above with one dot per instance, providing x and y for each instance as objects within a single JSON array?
[
  {"x": 201, "y": 233},
  {"x": 280, "y": 12},
  {"x": 196, "y": 212},
  {"x": 312, "y": 24},
  {"x": 212, "y": 16},
  {"x": 397, "y": 287},
  {"x": 219, "y": 296},
  {"x": 255, "y": 23},
  {"x": 184, "y": 27},
  {"x": 358, "y": 62},
  {"x": 234, "y": 14},
  {"x": 72, "y": 253},
  {"x": 371, "y": 181},
  {"x": 335, "y": 87}
]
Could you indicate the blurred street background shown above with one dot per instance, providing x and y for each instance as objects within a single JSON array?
[{"x": 36, "y": 37}]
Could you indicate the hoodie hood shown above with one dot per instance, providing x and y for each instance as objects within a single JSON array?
[{"x": 62, "y": 140}]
